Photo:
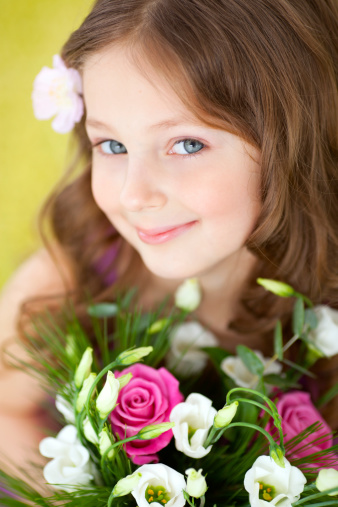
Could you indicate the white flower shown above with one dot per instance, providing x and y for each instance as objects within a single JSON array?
[
  {"x": 57, "y": 92},
  {"x": 224, "y": 416},
  {"x": 65, "y": 408},
  {"x": 125, "y": 379},
  {"x": 269, "y": 484},
  {"x": 154, "y": 430},
  {"x": 126, "y": 485},
  {"x": 185, "y": 356},
  {"x": 107, "y": 398},
  {"x": 159, "y": 482},
  {"x": 325, "y": 335},
  {"x": 192, "y": 419},
  {"x": 188, "y": 295},
  {"x": 134, "y": 355},
  {"x": 234, "y": 367},
  {"x": 83, "y": 369},
  {"x": 83, "y": 394},
  {"x": 196, "y": 484},
  {"x": 89, "y": 432},
  {"x": 105, "y": 442},
  {"x": 71, "y": 465},
  {"x": 327, "y": 479}
]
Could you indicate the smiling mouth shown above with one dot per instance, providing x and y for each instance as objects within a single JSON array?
[{"x": 163, "y": 234}]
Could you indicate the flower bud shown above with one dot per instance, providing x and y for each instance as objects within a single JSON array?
[
  {"x": 83, "y": 394},
  {"x": 277, "y": 455},
  {"x": 154, "y": 430},
  {"x": 134, "y": 355},
  {"x": 224, "y": 416},
  {"x": 188, "y": 295},
  {"x": 279, "y": 288},
  {"x": 196, "y": 484},
  {"x": 127, "y": 484},
  {"x": 106, "y": 441},
  {"x": 83, "y": 369},
  {"x": 65, "y": 408},
  {"x": 157, "y": 326},
  {"x": 125, "y": 379},
  {"x": 71, "y": 347},
  {"x": 107, "y": 398},
  {"x": 89, "y": 432},
  {"x": 327, "y": 479}
]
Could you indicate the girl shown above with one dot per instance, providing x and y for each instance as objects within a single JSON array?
[{"x": 208, "y": 149}]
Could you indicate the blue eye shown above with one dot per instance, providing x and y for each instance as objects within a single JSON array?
[
  {"x": 187, "y": 147},
  {"x": 113, "y": 147}
]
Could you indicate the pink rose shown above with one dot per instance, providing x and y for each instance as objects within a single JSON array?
[
  {"x": 147, "y": 399},
  {"x": 298, "y": 413}
]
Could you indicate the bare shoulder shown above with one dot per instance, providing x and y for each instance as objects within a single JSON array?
[{"x": 40, "y": 275}]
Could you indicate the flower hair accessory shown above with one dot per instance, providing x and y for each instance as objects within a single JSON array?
[{"x": 58, "y": 92}]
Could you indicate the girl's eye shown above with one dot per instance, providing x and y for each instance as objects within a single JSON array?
[
  {"x": 187, "y": 147},
  {"x": 113, "y": 147}
]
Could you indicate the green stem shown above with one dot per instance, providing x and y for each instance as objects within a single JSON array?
[
  {"x": 210, "y": 436},
  {"x": 117, "y": 443},
  {"x": 304, "y": 298},
  {"x": 317, "y": 495},
  {"x": 290, "y": 342},
  {"x": 253, "y": 402},
  {"x": 110, "y": 499},
  {"x": 248, "y": 425},
  {"x": 272, "y": 406},
  {"x": 91, "y": 390}
]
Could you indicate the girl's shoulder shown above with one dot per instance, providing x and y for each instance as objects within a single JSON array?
[{"x": 42, "y": 274}]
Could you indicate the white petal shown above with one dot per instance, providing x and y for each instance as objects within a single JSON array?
[
  {"x": 52, "y": 448},
  {"x": 68, "y": 435}
]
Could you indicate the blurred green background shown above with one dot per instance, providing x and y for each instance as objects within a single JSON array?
[{"x": 32, "y": 155}]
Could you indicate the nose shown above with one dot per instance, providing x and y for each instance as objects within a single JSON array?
[{"x": 141, "y": 187}]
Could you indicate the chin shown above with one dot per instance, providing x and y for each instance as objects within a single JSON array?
[{"x": 174, "y": 269}]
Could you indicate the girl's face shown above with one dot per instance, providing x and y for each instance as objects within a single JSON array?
[{"x": 185, "y": 195}]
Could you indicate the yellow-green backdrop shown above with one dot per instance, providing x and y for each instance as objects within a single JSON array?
[{"x": 32, "y": 155}]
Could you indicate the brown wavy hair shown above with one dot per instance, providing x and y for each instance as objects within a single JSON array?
[{"x": 265, "y": 70}]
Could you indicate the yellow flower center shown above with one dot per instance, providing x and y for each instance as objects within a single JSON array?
[
  {"x": 157, "y": 494},
  {"x": 266, "y": 492}
]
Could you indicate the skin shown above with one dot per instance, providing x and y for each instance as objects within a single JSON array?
[
  {"x": 155, "y": 182},
  {"x": 154, "y": 185}
]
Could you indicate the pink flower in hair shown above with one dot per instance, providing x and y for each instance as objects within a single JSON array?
[{"x": 57, "y": 92}]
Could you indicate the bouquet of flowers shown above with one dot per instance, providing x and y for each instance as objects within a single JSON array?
[{"x": 142, "y": 425}]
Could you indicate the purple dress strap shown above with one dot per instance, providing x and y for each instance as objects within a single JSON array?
[{"x": 102, "y": 265}]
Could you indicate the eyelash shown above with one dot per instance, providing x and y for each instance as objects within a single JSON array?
[{"x": 185, "y": 156}]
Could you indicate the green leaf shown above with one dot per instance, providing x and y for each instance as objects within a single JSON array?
[
  {"x": 103, "y": 310},
  {"x": 251, "y": 360},
  {"x": 311, "y": 318},
  {"x": 328, "y": 396},
  {"x": 127, "y": 299},
  {"x": 296, "y": 366},
  {"x": 278, "y": 340},
  {"x": 279, "y": 381},
  {"x": 298, "y": 317}
]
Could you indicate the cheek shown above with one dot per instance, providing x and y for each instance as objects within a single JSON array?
[
  {"x": 233, "y": 195},
  {"x": 104, "y": 190}
]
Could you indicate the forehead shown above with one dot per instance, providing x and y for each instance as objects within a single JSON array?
[{"x": 114, "y": 79}]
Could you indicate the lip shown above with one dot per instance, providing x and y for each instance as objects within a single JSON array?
[{"x": 163, "y": 234}]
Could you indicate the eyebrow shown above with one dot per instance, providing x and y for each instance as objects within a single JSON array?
[{"x": 91, "y": 122}]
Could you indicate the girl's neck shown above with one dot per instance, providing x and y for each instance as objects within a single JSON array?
[{"x": 221, "y": 290}]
